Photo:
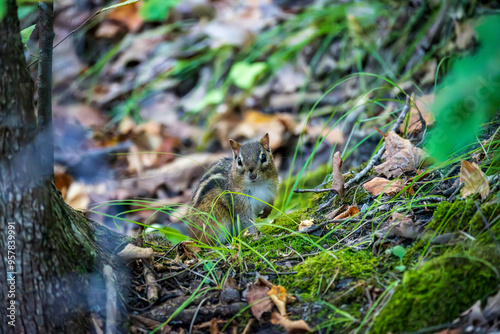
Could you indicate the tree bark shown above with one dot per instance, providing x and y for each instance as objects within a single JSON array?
[{"x": 50, "y": 263}]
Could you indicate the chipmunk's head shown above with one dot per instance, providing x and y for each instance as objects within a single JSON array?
[{"x": 252, "y": 161}]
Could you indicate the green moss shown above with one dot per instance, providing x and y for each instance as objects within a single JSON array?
[
  {"x": 436, "y": 293},
  {"x": 462, "y": 215},
  {"x": 289, "y": 221},
  {"x": 322, "y": 267},
  {"x": 451, "y": 217}
]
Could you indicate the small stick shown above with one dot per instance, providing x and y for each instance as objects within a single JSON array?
[
  {"x": 151, "y": 285},
  {"x": 488, "y": 227}
]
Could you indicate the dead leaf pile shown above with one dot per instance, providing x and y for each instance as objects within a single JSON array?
[
  {"x": 262, "y": 294},
  {"x": 399, "y": 226}
]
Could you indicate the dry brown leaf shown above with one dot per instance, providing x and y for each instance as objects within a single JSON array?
[
  {"x": 338, "y": 178},
  {"x": 379, "y": 184},
  {"x": 77, "y": 196},
  {"x": 128, "y": 16},
  {"x": 475, "y": 180},
  {"x": 254, "y": 125},
  {"x": 335, "y": 212},
  {"x": 214, "y": 326},
  {"x": 62, "y": 180},
  {"x": 278, "y": 296},
  {"x": 131, "y": 252},
  {"x": 351, "y": 211},
  {"x": 399, "y": 226},
  {"x": 305, "y": 224},
  {"x": 256, "y": 295},
  {"x": 401, "y": 156},
  {"x": 423, "y": 103},
  {"x": 291, "y": 327}
]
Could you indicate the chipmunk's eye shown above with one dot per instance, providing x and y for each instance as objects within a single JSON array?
[
  {"x": 239, "y": 162},
  {"x": 263, "y": 158}
]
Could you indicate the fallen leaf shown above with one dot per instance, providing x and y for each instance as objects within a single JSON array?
[
  {"x": 77, "y": 196},
  {"x": 336, "y": 212},
  {"x": 291, "y": 327},
  {"x": 131, "y": 252},
  {"x": 399, "y": 226},
  {"x": 254, "y": 125},
  {"x": 256, "y": 295},
  {"x": 338, "y": 178},
  {"x": 278, "y": 296},
  {"x": 305, "y": 224},
  {"x": 62, "y": 180},
  {"x": 189, "y": 249},
  {"x": 475, "y": 180},
  {"x": 214, "y": 326},
  {"x": 351, "y": 211},
  {"x": 379, "y": 184},
  {"x": 128, "y": 16},
  {"x": 401, "y": 156}
]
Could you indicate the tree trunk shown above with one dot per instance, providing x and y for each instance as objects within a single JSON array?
[{"x": 50, "y": 261}]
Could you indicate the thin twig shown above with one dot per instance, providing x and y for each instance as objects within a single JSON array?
[
  {"x": 195, "y": 314},
  {"x": 430, "y": 198},
  {"x": 488, "y": 227}
]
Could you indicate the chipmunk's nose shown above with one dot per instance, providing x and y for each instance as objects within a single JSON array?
[{"x": 252, "y": 175}]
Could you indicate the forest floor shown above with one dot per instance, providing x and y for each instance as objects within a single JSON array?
[{"x": 378, "y": 238}]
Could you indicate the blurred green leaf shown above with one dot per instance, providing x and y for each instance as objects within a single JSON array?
[
  {"x": 214, "y": 96},
  {"x": 26, "y": 33},
  {"x": 244, "y": 75},
  {"x": 469, "y": 95},
  {"x": 173, "y": 235},
  {"x": 3, "y": 8},
  {"x": 400, "y": 268},
  {"x": 23, "y": 11},
  {"x": 156, "y": 10},
  {"x": 399, "y": 251}
]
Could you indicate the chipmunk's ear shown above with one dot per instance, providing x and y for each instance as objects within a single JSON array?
[
  {"x": 264, "y": 141},
  {"x": 235, "y": 146}
]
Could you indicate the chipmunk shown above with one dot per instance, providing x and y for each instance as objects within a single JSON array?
[{"x": 217, "y": 210}]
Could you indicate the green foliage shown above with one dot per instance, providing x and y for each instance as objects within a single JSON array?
[
  {"x": 245, "y": 75},
  {"x": 213, "y": 97},
  {"x": 357, "y": 265},
  {"x": 156, "y": 10},
  {"x": 290, "y": 221},
  {"x": 436, "y": 293},
  {"x": 26, "y": 33},
  {"x": 469, "y": 95},
  {"x": 3, "y": 8}
]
